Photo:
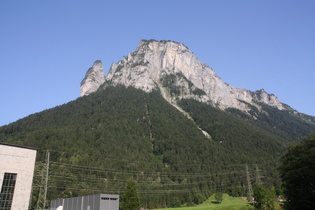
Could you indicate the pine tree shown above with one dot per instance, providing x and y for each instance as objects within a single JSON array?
[{"x": 130, "y": 199}]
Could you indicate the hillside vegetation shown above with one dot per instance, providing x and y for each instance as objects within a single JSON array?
[{"x": 98, "y": 142}]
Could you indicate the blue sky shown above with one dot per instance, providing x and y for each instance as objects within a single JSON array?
[{"x": 46, "y": 47}]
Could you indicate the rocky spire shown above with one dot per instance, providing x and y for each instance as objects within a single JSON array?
[{"x": 93, "y": 79}]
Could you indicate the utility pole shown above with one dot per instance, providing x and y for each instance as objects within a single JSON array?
[
  {"x": 249, "y": 186},
  {"x": 41, "y": 203},
  {"x": 258, "y": 177}
]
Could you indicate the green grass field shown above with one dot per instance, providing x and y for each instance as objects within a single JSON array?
[{"x": 228, "y": 203}]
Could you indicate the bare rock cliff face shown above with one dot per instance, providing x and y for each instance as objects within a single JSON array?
[
  {"x": 174, "y": 70},
  {"x": 93, "y": 79},
  {"x": 150, "y": 66},
  {"x": 270, "y": 99}
]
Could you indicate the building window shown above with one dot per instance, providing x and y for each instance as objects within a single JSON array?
[
  {"x": 112, "y": 199},
  {"x": 7, "y": 191}
]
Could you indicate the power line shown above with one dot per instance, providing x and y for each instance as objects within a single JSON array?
[
  {"x": 143, "y": 183},
  {"x": 99, "y": 170},
  {"x": 149, "y": 181},
  {"x": 145, "y": 161},
  {"x": 132, "y": 172}
]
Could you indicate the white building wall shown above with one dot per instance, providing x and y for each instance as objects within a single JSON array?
[{"x": 14, "y": 159}]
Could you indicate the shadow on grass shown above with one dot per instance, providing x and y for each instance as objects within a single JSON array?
[{"x": 215, "y": 202}]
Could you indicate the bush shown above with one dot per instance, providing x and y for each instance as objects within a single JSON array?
[
  {"x": 219, "y": 197},
  {"x": 264, "y": 197}
]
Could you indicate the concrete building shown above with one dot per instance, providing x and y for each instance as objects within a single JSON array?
[
  {"x": 88, "y": 202},
  {"x": 16, "y": 176}
]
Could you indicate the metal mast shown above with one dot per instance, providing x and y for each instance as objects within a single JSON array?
[
  {"x": 41, "y": 202},
  {"x": 258, "y": 177},
  {"x": 249, "y": 186}
]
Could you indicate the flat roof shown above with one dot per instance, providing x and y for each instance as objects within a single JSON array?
[{"x": 20, "y": 146}]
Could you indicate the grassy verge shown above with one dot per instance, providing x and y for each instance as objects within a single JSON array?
[{"x": 228, "y": 203}]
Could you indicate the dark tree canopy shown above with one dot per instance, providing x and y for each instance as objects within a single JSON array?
[
  {"x": 130, "y": 199},
  {"x": 298, "y": 174},
  {"x": 264, "y": 197},
  {"x": 121, "y": 132}
]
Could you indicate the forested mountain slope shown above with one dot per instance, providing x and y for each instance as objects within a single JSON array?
[{"x": 99, "y": 141}]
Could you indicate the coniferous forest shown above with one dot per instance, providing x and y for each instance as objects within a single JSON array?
[{"x": 99, "y": 142}]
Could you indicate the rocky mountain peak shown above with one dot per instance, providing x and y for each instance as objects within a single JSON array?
[
  {"x": 145, "y": 67},
  {"x": 93, "y": 79},
  {"x": 175, "y": 71},
  {"x": 270, "y": 99}
]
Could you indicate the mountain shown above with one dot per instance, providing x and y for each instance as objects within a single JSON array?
[
  {"x": 174, "y": 70},
  {"x": 164, "y": 119},
  {"x": 93, "y": 79}
]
